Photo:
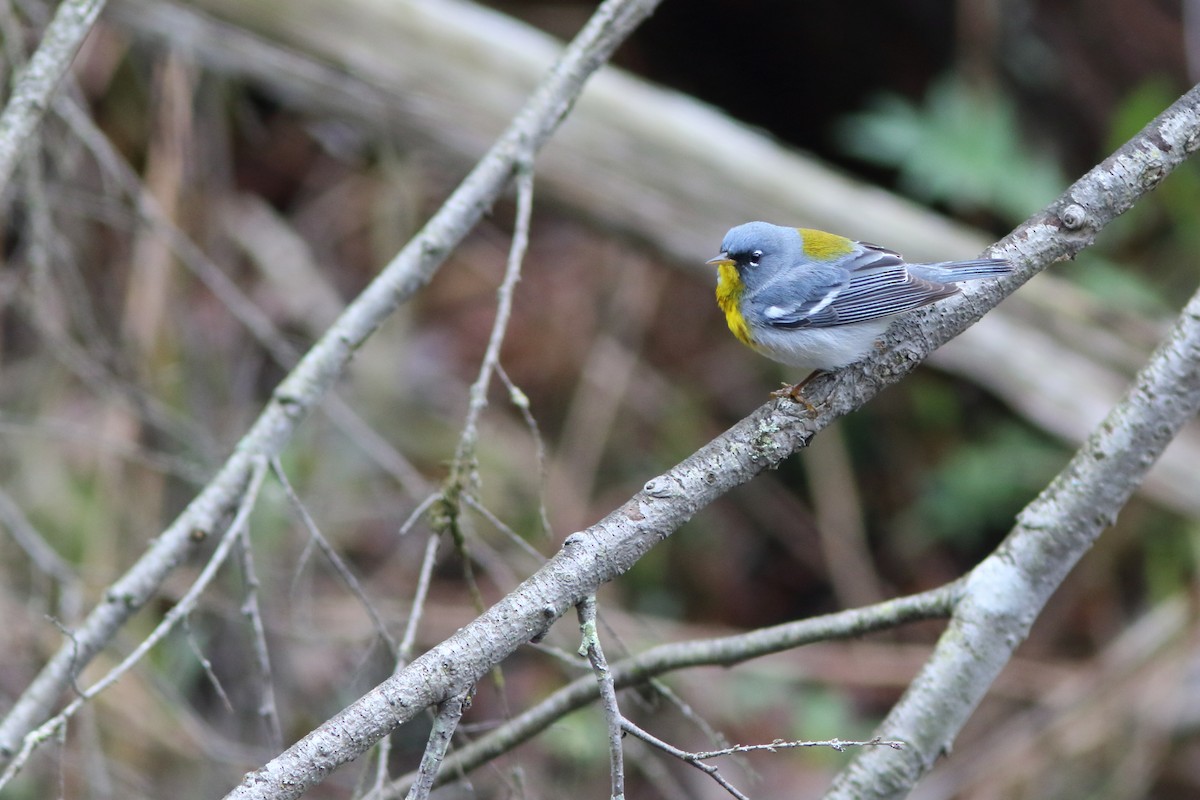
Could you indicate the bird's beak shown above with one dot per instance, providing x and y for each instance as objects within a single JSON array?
[{"x": 719, "y": 260}]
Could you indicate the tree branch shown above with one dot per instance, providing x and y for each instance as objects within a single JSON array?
[
  {"x": 320, "y": 368},
  {"x": 725, "y": 652},
  {"x": 1006, "y": 592},
  {"x": 187, "y": 603},
  {"x": 760, "y": 441},
  {"x": 72, "y": 22}
]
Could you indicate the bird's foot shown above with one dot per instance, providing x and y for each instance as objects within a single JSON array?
[{"x": 795, "y": 393}]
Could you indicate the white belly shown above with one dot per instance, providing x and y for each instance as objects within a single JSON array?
[{"x": 819, "y": 348}]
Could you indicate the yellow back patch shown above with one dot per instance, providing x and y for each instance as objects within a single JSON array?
[
  {"x": 822, "y": 246},
  {"x": 729, "y": 298}
]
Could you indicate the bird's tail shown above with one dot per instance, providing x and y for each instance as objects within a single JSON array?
[{"x": 957, "y": 271}]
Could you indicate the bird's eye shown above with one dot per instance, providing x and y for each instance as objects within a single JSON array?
[{"x": 755, "y": 257}]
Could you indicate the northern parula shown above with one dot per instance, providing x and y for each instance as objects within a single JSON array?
[{"x": 817, "y": 300}]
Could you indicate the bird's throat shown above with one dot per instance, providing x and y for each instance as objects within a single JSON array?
[{"x": 729, "y": 298}]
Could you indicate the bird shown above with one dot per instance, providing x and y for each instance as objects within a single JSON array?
[{"x": 819, "y": 301}]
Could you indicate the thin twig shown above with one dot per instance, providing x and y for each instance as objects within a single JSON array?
[
  {"x": 444, "y": 724},
  {"x": 415, "y": 515},
  {"x": 305, "y": 386},
  {"x": 476, "y": 505},
  {"x": 344, "y": 573},
  {"x": 521, "y": 401},
  {"x": 710, "y": 770},
  {"x": 206, "y": 664},
  {"x": 464, "y": 474},
  {"x": 404, "y": 651},
  {"x": 504, "y": 299},
  {"x": 173, "y": 617},
  {"x": 779, "y": 744},
  {"x": 608, "y": 693},
  {"x": 725, "y": 651},
  {"x": 697, "y": 759},
  {"x": 268, "y": 709}
]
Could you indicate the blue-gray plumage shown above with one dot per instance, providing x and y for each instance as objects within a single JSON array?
[{"x": 817, "y": 300}]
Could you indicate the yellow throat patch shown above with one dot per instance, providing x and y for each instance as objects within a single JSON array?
[
  {"x": 822, "y": 246},
  {"x": 729, "y": 298}
]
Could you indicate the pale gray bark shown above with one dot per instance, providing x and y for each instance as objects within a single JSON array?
[
  {"x": 726, "y": 651},
  {"x": 1005, "y": 594},
  {"x": 35, "y": 86}
]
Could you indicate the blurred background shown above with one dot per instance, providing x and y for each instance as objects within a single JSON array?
[{"x": 215, "y": 152}]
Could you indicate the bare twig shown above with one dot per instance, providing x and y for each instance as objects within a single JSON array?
[
  {"x": 504, "y": 298},
  {"x": 591, "y": 648},
  {"x": 174, "y": 616},
  {"x": 725, "y": 651},
  {"x": 449, "y": 712},
  {"x": 779, "y": 744},
  {"x": 206, "y": 665},
  {"x": 710, "y": 770},
  {"x": 464, "y": 469},
  {"x": 415, "y": 515},
  {"x": 404, "y": 651},
  {"x": 268, "y": 710},
  {"x": 519, "y": 399},
  {"x": 344, "y": 573},
  {"x": 697, "y": 759},
  {"x": 40, "y": 77},
  {"x": 476, "y": 505}
]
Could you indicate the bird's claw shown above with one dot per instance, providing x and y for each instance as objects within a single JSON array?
[{"x": 795, "y": 393}]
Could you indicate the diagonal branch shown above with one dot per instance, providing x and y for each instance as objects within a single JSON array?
[
  {"x": 760, "y": 441},
  {"x": 724, "y": 651},
  {"x": 178, "y": 613},
  {"x": 1006, "y": 592},
  {"x": 310, "y": 381},
  {"x": 449, "y": 714},
  {"x": 70, "y": 25}
]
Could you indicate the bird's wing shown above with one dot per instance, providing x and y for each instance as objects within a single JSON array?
[{"x": 872, "y": 283}]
